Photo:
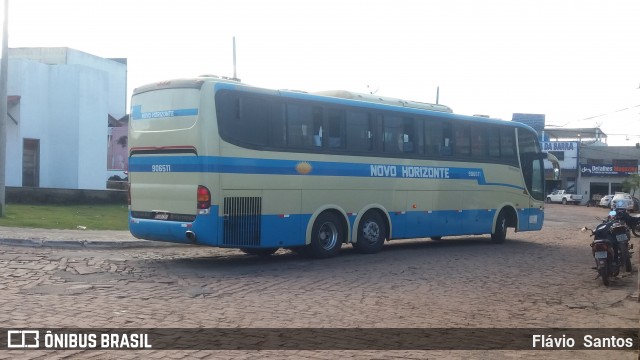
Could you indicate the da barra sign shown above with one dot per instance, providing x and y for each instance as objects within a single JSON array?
[{"x": 608, "y": 169}]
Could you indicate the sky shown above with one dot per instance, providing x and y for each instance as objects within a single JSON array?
[{"x": 576, "y": 61}]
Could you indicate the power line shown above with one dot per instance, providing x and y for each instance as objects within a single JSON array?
[
  {"x": 612, "y": 112},
  {"x": 597, "y": 116}
]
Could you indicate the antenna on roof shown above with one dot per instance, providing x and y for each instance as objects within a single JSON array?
[{"x": 235, "y": 75}]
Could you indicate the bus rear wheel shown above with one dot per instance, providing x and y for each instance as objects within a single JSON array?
[
  {"x": 372, "y": 233},
  {"x": 327, "y": 236}
]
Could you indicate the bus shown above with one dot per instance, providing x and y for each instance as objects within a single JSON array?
[{"x": 216, "y": 162}]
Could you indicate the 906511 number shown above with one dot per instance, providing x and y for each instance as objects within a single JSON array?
[{"x": 161, "y": 168}]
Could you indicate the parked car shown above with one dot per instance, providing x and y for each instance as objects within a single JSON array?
[
  {"x": 622, "y": 200},
  {"x": 605, "y": 201},
  {"x": 564, "y": 197}
]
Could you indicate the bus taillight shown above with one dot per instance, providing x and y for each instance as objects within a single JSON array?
[{"x": 204, "y": 200}]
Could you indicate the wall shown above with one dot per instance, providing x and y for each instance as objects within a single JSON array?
[
  {"x": 116, "y": 86},
  {"x": 93, "y": 130},
  {"x": 59, "y": 166},
  {"x": 65, "y": 99}
]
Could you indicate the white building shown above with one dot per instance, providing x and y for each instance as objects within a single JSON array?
[{"x": 59, "y": 103}]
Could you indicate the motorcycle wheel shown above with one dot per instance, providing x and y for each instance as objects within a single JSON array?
[
  {"x": 604, "y": 274},
  {"x": 636, "y": 230}
]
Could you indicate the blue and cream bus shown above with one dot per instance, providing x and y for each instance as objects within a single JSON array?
[{"x": 216, "y": 162}]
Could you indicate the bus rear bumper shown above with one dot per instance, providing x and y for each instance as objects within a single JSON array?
[{"x": 202, "y": 231}]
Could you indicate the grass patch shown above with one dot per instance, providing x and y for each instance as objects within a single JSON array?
[{"x": 93, "y": 217}]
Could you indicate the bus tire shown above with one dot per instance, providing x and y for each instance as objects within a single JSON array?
[
  {"x": 500, "y": 233},
  {"x": 259, "y": 252},
  {"x": 327, "y": 236},
  {"x": 372, "y": 233}
]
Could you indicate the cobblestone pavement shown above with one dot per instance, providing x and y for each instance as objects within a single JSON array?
[{"x": 536, "y": 279}]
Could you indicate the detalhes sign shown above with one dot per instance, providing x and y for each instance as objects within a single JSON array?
[{"x": 618, "y": 168}]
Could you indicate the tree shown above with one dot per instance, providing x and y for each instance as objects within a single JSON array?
[{"x": 631, "y": 184}]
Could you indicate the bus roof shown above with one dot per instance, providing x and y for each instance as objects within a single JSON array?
[
  {"x": 336, "y": 96},
  {"x": 183, "y": 83},
  {"x": 384, "y": 100}
]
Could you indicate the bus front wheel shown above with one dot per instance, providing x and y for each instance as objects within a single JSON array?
[
  {"x": 327, "y": 236},
  {"x": 500, "y": 233},
  {"x": 372, "y": 233}
]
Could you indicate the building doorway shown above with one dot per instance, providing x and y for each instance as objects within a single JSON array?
[
  {"x": 599, "y": 189},
  {"x": 31, "y": 162}
]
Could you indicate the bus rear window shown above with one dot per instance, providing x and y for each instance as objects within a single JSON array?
[{"x": 165, "y": 109}]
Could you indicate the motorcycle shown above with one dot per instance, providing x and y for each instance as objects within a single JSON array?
[
  {"x": 632, "y": 222},
  {"x": 610, "y": 247}
]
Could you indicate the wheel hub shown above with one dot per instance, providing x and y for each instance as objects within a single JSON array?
[
  {"x": 371, "y": 231},
  {"x": 328, "y": 235}
]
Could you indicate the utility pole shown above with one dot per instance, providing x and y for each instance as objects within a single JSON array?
[{"x": 3, "y": 106}]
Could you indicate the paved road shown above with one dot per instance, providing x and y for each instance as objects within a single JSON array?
[{"x": 541, "y": 279}]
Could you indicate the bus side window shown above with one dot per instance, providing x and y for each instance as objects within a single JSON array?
[
  {"x": 462, "y": 140},
  {"x": 303, "y": 125},
  {"x": 409, "y": 136},
  {"x": 507, "y": 145},
  {"x": 378, "y": 130},
  {"x": 277, "y": 125},
  {"x": 317, "y": 126},
  {"x": 446, "y": 142},
  {"x": 478, "y": 143},
  {"x": 336, "y": 128},
  {"x": 392, "y": 136},
  {"x": 359, "y": 131},
  {"x": 432, "y": 137},
  {"x": 493, "y": 142},
  {"x": 242, "y": 118}
]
